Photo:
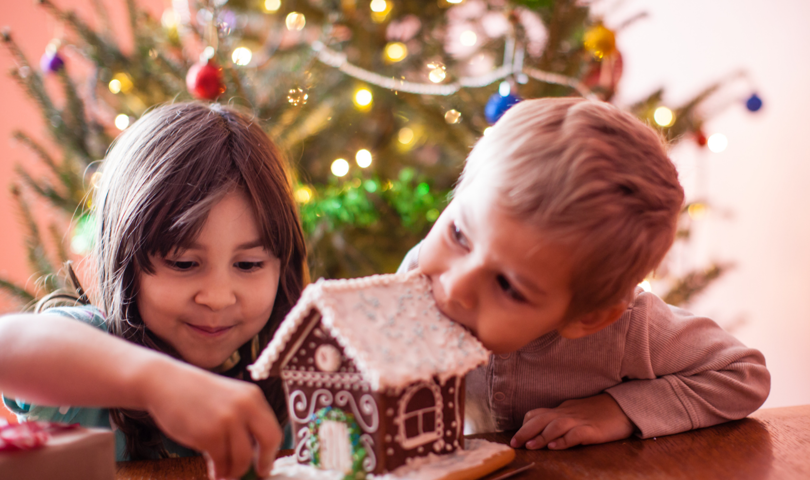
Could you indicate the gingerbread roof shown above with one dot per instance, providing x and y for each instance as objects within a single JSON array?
[{"x": 388, "y": 325}]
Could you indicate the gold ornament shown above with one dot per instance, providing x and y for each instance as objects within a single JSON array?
[{"x": 600, "y": 41}]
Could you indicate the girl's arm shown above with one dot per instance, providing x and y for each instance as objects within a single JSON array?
[{"x": 52, "y": 360}]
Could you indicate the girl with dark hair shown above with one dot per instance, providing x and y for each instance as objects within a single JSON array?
[{"x": 199, "y": 255}]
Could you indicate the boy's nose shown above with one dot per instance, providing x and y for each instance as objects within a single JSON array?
[{"x": 459, "y": 287}]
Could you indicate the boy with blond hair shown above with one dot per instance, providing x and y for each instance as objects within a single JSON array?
[{"x": 560, "y": 212}]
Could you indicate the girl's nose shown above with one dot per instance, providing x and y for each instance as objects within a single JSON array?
[{"x": 216, "y": 293}]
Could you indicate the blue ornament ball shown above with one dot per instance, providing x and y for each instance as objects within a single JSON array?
[
  {"x": 497, "y": 105},
  {"x": 51, "y": 62},
  {"x": 754, "y": 103}
]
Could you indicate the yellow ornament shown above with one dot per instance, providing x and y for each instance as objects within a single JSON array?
[{"x": 600, "y": 41}]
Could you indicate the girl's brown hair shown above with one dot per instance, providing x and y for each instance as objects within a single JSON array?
[{"x": 161, "y": 178}]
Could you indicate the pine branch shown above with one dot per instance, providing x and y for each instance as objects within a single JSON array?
[
  {"x": 693, "y": 283},
  {"x": 43, "y": 189},
  {"x": 22, "y": 295},
  {"x": 30, "y": 80},
  {"x": 73, "y": 117},
  {"x": 103, "y": 17},
  {"x": 37, "y": 257},
  {"x": 35, "y": 147}
]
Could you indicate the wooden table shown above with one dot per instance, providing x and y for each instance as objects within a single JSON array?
[{"x": 770, "y": 444}]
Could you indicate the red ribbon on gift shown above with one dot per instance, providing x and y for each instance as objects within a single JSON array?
[{"x": 29, "y": 435}]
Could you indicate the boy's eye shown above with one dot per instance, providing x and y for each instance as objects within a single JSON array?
[
  {"x": 457, "y": 234},
  {"x": 181, "y": 265},
  {"x": 248, "y": 266},
  {"x": 508, "y": 289}
]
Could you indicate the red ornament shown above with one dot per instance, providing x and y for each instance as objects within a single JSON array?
[
  {"x": 204, "y": 80},
  {"x": 700, "y": 138}
]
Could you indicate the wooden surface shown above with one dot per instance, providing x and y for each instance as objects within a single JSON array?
[{"x": 770, "y": 444}]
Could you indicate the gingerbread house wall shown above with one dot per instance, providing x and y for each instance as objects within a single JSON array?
[
  {"x": 311, "y": 387},
  {"x": 423, "y": 418},
  {"x": 438, "y": 431}
]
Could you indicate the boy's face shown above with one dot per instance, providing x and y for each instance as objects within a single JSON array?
[{"x": 494, "y": 274}]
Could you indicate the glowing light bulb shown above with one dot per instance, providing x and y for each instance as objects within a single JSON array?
[
  {"x": 363, "y": 158},
  {"x": 468, "y": 38},
  {"x": 121, "y": 121},
  {"x": 340, "y": 167},
  {"x": 664, "y": 116},
  {"x": 378, "y": 6},
  {"x": 697, "y": 211},
  {"x": 645, "y": 285},
  {"x": 169, "y": 19},
  {"x": 717, "y": 142},
  {"x": 207, "y": 54},
  {"x": 242, "y": 56},
  {"x": 295, "y": 21},
  {"x": 452, "y": 116},
  {"x": 395, "y": 52},
  {"x": 455, "y": 2},
  {"x": 504, "y": 89},
  {"x": 121, "y": 82},
  {"x": 487, "y": 131},
  {"x": 405, "y": 135},
  {"x": 437, "y": 73},
  {"x": 272, "y": 6},
  {"x": 115, "y": 85},
  {"x": 303, "y": 194},
  {"x": 296, "y": 96},
  {"x": 363, "y": 97}
]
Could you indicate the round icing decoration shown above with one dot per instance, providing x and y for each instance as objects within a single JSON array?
[{"x": 327, "y": 358}]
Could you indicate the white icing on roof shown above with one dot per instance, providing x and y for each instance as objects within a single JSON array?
[{"x": 388, "y": 325}]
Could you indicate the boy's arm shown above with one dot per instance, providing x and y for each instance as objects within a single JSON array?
[
  {"x": 54, "y": 360},
  {"x": 685, "y": 372}
]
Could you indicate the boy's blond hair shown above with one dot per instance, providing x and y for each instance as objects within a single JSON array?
[{"x": 592, "y": 178}]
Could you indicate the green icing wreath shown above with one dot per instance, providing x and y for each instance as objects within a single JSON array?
[{"x": 358, "y": 450}]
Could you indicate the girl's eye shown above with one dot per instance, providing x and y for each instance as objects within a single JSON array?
[
  {"x": 457, "y": 234},
  {"x": 507, "y": 288},
  {"x": 248, "y": 266},
  {"x": 182, "y": 266}
]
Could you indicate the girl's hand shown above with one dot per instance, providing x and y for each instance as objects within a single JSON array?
[
  {"x": 228, "y": 420},
  {"x": 583, "y": 421}
]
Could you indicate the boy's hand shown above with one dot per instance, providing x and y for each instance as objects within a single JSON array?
[{"x": 584, "y": 421}]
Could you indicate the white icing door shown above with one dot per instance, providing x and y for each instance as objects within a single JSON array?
[{"x": 335, "y": 446}]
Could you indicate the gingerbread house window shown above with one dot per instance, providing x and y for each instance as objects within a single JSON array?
[{"x": 420, "y": 415}]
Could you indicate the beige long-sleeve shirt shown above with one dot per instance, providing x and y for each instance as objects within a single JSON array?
[{"x": 669, "y": 370}]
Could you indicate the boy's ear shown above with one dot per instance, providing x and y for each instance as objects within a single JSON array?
[{"x": 592, "y": 322}]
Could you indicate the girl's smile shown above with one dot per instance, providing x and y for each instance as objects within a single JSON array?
[{"x": 209, "y": 300}]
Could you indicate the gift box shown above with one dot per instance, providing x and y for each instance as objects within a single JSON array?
[{"x": 43, "y": 450}]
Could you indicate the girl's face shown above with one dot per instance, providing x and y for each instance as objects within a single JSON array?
[{"x": 209, "y": 300}]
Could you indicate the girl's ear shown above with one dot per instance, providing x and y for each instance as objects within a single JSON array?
[{"x": 592, "y": 322}]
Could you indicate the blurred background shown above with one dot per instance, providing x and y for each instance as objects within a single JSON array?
[{"x": 731, "y": 68}]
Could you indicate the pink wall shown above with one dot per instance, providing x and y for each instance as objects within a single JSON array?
[{"x": 32, "y": 28}]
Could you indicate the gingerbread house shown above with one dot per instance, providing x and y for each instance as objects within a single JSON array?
[{"x": 373, "y": 372}]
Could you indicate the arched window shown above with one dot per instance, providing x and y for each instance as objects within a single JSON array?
[{"x": 420, "y": 415}]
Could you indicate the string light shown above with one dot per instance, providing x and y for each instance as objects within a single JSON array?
[
  {"x": 697, "y": 211},
  {"x": 169, "y": 19},
  {"x": 121, "y": 121},
  {"x": 242, "y": 56},
  {"x": 121, "y": 82},
  {"x": 363, "y": 97},
  {"x": 395, "y": 52},
  {"x": 296, "y": 96},
  {"x": 272, "y": 6},
  {"x": 452, "y": 116},
  {"x": 487, "y": 131},
  {"x": 664, "y": 116},
  {"x": 303, "y": 194},
  {"x": 504, "y": 89},
  {"x": 380, "y": 10},
  {"x": 438, "y": 72},
  {"x": 468, "y": 38},
  {"x": 363, "y": 158},
  {"x": 295, "y": 21},
  {"x": 645, "y": 285},
  {"x": 340, "y": 167},
  {"x": 717, "y": 143},
  {"x": 455, "y": 2},
  {"x": 405, "y": 135}
]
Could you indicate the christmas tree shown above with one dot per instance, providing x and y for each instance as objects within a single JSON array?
[{"x": 376, "y": 103}]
